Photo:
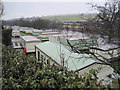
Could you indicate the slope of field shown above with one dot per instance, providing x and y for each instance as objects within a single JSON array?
[{"x": 69, "y": 17}]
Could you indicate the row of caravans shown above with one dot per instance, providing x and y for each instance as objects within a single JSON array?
[
  {"x": 57, "y": 43},
  {"x": 27, "y": 43},
  {"x": 46, "y": 49}
]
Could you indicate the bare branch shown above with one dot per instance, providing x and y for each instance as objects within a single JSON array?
[{"x": 1, "y": 9}]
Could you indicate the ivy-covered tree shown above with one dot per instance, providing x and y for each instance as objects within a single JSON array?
[{"x": 6, "y": 36}]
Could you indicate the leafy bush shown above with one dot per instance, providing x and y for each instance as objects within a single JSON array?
[{"x": 23, "y": 71}]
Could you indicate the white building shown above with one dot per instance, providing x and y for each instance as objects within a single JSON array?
[
  {"x": 55, "y": 53},
  {"x": 28, "y": 43},
  {"x": 56, "y": 38},
  {"x": 16, "y": 42},
  {"x": 15, "y": 33},
  {"x": 36, "y": 32},
  {"x": 45, "y": 35}
]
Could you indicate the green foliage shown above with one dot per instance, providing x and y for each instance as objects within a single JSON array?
[
  {"x": 6, "y": 36},
  {"x": 23, "y": 71},
  {"x": 116, "y": 64},
  {"x": 115, "y": 83}
]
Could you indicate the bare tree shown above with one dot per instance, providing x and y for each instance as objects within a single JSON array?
[
  {"x": 106, "y": 23},
  {"x": 1, "y": 9},
  {"x": 108, "y": 19}
]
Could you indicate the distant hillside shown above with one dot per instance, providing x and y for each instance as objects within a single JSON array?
[
  {"x": 69, "y": 17},
  {"x": 60, "y": 18}
]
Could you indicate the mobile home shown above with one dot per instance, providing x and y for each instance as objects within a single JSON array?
[
  {"x": 56, "y": 38},
  {"x": 45, "y": 35},
  {"x": 15, "y": 33},
  {"x": 28, "y": 43},
  {"x": 16, "y": 43},
  {"x": 28, "y": 31},
  {"x": 36, "y": 32},
  {"x": 78, "y": 42},
  {"x": 57, "y": 54}
]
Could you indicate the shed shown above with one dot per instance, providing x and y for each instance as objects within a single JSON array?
[
  {"x": 60, "y": 55},
  {"x": 29, "y": 42}
]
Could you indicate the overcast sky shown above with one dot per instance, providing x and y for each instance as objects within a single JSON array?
[{"x": 30, "y": 8}]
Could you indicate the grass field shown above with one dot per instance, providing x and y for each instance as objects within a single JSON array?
[{"x": 69, "y": 17}]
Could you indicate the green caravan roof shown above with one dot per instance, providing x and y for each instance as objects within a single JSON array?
[
  {"x": 80, "y": 43},
  {"x": 73, "y": 61}
]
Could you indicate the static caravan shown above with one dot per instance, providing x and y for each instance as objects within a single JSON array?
[
  {"x": 15, "y": 27},
  {"x": 81, "y": 63},
  {"x": 45, "y": 36},
  {"x": 113, "y": 53},
  {"x": 22, "y": 29},
  {"x": 28, "y": 31},
  {"x": 28, "y": 43},
  {"x": 36, "y": 32},
  {"x": 48, "y": 30},
  {"x": 15, "y": 33},
  {"x": 49, "y": 33},
  {"x": 56, "y": 38},
  {"x": 16, "y": 43},
  {"x": 79, "y": 42}
]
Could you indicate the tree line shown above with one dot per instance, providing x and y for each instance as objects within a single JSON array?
[{"x": 36, "y": 23}]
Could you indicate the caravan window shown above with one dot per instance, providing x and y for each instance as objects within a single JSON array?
[
  {"x": 38, "y": 55},
  {"x": 48, "y": 61}
]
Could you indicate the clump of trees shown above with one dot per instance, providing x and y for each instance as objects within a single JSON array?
[
  {"x": 36, "y": 23},
  {"x": 23, "y": 71}
]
